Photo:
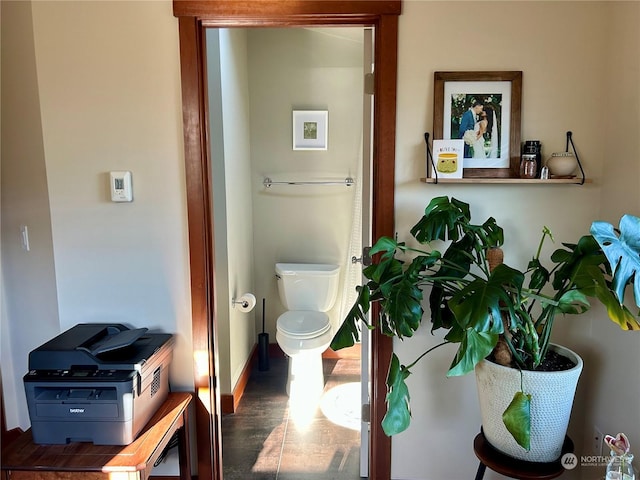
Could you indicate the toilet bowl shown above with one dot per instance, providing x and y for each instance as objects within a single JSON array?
[
  {"x": 303, "y": 336},
  {"x": 303, "y": 332}
]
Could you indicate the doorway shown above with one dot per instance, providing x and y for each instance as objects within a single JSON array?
[
  {"x": 256, "y": 77},
  {"x": 194, "y": 17}
]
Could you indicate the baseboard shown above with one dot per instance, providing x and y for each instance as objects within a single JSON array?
[
  {"x": 229, "y": 401},
  {"x": 349, "y": 352},
  {"x": 168, "y": 477}
]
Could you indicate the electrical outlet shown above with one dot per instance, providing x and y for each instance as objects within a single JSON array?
[{"x": 597, "y": 439}]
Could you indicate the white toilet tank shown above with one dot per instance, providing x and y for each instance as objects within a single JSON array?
[{"x": 307, "y": 286}]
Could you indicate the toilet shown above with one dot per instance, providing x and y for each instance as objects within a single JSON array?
[{"x": 304, "y": 331}]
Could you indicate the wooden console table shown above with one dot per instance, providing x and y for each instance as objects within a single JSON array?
[{"x": 25, "y": 460}]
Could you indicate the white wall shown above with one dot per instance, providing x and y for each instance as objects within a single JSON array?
[
  {"x": 237, "y": 134},
  {"x": 30, "y": 306},
  {"x": 302, "y": 69},
  {"x": 566, "y": 86},
  {"x": 108, "y": 80},
  {"x": 233, "y": 217},
  {"x": 103, "y": 77}
]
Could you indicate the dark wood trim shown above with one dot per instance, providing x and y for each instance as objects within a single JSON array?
[
  {"x": 208, "y": 433},
  {"x": 384, "y": 144},
  {"x": 259, "y": 10},
  {"x": 194, "y": 17}
]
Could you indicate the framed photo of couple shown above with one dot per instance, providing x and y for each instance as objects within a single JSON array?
[{"x": 483, "y": 110}]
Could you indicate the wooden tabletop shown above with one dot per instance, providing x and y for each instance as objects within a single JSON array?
[{"x": 23, "y": 454}]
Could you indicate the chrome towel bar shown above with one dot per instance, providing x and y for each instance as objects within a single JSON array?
[{"x": 347, "y": 182}]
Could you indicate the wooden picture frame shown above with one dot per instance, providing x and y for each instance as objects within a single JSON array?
[
  {"x": 497, "y": 152},
  {"x": 310, "y": 129}
]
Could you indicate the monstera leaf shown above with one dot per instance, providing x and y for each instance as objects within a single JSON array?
[
  {"x": 398, "y": 414},
  {"x": 442, "y": 219},
  {"x": 349, "y": 332},
  {"x": 517, "y": 419},
  {"x": 623, "y": 253}
]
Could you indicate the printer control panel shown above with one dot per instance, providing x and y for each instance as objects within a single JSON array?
[{"x": 80, "y": 374}]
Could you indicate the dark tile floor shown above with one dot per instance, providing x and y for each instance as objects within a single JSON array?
[{"x": 261, "y": 441}]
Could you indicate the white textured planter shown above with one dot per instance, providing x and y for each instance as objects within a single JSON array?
[{"x": 551, "y": 401}]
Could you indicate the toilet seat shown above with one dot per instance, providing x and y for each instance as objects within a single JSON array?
[{"x": 303, "y": 324}]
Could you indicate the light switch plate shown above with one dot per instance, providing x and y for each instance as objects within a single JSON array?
[{"x": 120, "y": 185}]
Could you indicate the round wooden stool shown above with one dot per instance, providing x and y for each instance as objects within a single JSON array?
[{"x": 514, "y": 468}]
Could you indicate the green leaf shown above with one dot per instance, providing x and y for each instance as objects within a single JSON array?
[
  {"x": 442, "y": 220},
  {"x": 480, "y": 303},
  {"x": 386, "y": 245},
  {"x": 403, "y": 306},
  {"x": 398, "y": 414},
  {"x": 460, "y": 254},
  {"x": 623, "y": 253},
  {"x": 441, "y": 314},
  {"x": 539, "y": 274},
  {"x": 349, "y": 332},
  {"x": 577, "y": 264},
  {"x": 618, "y": 313},
  {"x": 489, "y": 234},
  {"x": 573, "y": 302},
  {"x": 388, "y": 270},
  {"x": 517, "y": 419},
  {"x": 474, "y": 347}
]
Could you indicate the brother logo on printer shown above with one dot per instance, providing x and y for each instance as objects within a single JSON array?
[{"x": 76, "y": 410}]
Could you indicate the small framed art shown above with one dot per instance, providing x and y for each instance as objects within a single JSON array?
[{"x": 310, "y": 129}]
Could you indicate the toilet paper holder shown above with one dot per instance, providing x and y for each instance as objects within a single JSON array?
[{"x": 245, "y": 302}]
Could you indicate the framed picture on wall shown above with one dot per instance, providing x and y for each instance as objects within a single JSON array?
[
  {"x": 483, "y": 110},
  {"x": 310, "y": 129}
]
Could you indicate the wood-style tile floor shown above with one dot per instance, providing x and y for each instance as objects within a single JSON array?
[{"x": 261, "y": 441}]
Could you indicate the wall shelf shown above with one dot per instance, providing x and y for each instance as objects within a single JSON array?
[
  {"x": 530, "y": 181},
  {"x": 574, "y": 180}
]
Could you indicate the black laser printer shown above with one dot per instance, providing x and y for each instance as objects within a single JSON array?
[{"x": 97, "y": 383}]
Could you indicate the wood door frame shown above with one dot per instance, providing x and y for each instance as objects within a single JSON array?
[{"x": 194, "y": 16}]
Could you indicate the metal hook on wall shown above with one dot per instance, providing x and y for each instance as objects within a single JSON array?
[
  {"x": 570, "y": 141},
  {"x": 430, "y": 158}
]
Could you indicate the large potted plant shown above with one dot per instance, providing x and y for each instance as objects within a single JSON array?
[{"x": 501, "y": 318}]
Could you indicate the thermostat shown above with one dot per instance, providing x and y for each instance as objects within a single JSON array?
[{"x": 120, "y": 183}]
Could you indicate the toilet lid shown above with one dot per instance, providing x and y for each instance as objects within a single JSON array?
[{"x": 303, "y": 323}]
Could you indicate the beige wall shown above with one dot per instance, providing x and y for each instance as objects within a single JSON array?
[
  {"x": 567, "y": 51},
  {"x": 109, "y": 98},
  {"x": 103, "y": 78},
  {"x": 30, "y": 306}
]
